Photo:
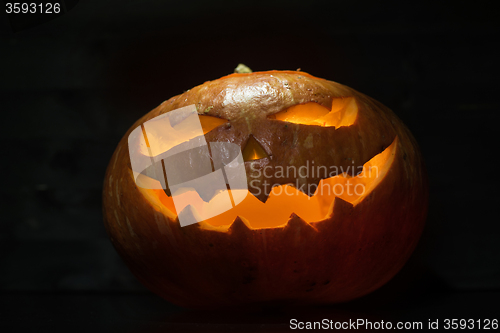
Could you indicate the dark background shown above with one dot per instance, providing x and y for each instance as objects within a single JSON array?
[{"x": 70, "y": 87}]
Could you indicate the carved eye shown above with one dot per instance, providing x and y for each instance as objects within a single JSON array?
[
  {"x": 343, "y": 113},
  {"x": 252, "y": 150},
  {"x": 209, "y": 123}
]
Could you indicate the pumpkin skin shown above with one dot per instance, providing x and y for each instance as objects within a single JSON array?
[{"x": 348, "y": 254}]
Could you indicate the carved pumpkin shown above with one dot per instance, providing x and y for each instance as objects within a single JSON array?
[{"x": 292, "y": 243}]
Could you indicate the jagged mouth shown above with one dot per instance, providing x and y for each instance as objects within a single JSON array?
[{"x": 285, "y": 200}]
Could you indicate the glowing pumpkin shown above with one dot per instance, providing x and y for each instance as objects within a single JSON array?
[{"x": 293, "y": 238}]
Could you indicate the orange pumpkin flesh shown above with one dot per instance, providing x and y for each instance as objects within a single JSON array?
[{"x": 286, "y": 246}]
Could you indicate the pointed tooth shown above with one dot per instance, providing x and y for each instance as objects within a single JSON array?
[
  {"x": 296, "y": 223},
  {"x": 341, "y": 208},
  {"x": 238, "y": 226},
  {"x": 297, "y": 231}
]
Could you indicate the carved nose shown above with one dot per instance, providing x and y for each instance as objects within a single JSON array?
[{"x": 253, "y": 150}]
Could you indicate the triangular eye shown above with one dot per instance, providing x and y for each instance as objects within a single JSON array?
[
  {"x": 208, "y": 123},
  {"x": 253, "y": 150},
  {"x": 343, "y": 113}
]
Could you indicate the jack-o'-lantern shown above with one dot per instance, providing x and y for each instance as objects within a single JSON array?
[{"x": 330, "y": 236}]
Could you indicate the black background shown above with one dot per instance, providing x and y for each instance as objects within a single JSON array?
[{"x": 72, "y": 84}]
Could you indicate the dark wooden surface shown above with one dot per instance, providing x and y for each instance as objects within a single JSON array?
[{"x": 139, "y": 312}]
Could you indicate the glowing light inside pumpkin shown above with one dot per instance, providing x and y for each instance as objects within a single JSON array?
[
  {"x": 208, "y": 123},
  {"x": 160, "y": 136},
  {"x": 253, "y": 150},
  {"x": 343, "y": 113},
  {"x": 285, "y": 200}
]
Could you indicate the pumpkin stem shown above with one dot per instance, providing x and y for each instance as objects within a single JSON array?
[{"x": 241, "y": 68}]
